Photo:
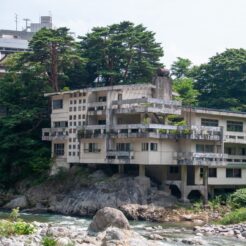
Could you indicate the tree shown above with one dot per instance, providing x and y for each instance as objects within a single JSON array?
[
  {"x": 120, "y": 53},
  {"x": 181, "y": 68},
  {"x": 22, "y": 152},
  {"x": 183, "y": 83},
  {"x": 55, "y": 51},
  {"x": 185, "y": 88},
  {"x": 222, "y": 81}
]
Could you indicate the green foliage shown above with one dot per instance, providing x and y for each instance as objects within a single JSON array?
[
  {"x": 238, "y": 198},
  {"x": 222, "y": 81},
  {"x": 187, "y": 93},
  {"x": 234, "y": 217},
  {"x": 215, "y": 203},
  {"x": 15, "y": 214},
  {"x": 120, "y": 53},
  {"x": 23, "y": 228},
  {"x": 55, "y": 51},
  {"x": 197, "y": 206},
  {"x": 15, "y": 226},
  {"x": 21, "y": 93},
  {"x": 181, "y": 68},
  {"x": 49, "y": 241}
]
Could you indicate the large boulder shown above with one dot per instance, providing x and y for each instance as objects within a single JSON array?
[
  {"x": 107, "y": 217},
  {"x": 20, "y": 202}
]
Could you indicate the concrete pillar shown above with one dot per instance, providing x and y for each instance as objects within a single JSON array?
[
  {"x": 141, "y": 170},
  {"x": 183, "y": 186},
  {"x": 205, "y": 183},
  {"x": 121, "y": 169}
]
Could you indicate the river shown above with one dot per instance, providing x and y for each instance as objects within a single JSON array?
[{"x": 173, "y": 231}]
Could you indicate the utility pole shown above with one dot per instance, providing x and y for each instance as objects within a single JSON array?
[
  {"x": 16, "y": 21},
  {"x": 26, "y": 21}
]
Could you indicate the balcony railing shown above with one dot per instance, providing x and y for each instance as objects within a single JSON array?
[
  {"x": 50, "y": 134},
  {"x": 154, "y": 101},
  {"x": 152, "y": 131},
  {"x": 200, "y": 159},
  {"x": 119, "y": 157},
  {"x": 235, "y": 137}
]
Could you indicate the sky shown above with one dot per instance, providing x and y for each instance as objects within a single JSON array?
[{"x": 194, "y": 29}]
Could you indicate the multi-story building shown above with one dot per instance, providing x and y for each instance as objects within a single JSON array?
[{"x": 189, "y": 149}]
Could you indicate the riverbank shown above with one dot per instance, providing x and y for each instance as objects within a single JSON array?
[
  {"x": 82, "y": 192},
  {"x": 166, "y": 234}
]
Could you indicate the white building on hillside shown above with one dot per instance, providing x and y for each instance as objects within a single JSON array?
[{"x": 130, "y": 126}]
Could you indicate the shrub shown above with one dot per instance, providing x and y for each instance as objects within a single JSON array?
[
  {"x": 49, "y": 241},
  {"x": 238, "y": 198},
  {"x": 23, "y": 228},
  {"x": 234, "y": 217}
]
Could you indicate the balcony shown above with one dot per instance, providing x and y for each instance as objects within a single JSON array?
[
  {"x": 56, "y": 133},
  {"x": 146, "y": 105},
  {"x": 153, "y": 131},
  {"x": 119, "y": 157},
  {"x": 235, "y": 137},
  {"x": 97, "y": 108},
  {"x": 235, "y": 160},
  {"x": 200, "y": 159}
]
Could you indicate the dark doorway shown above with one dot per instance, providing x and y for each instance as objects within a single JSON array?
[{"x": 190, "y": 175}]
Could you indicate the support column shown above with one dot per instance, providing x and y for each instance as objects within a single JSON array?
[
  {"x": 141, "y": 170},
  {"x": 121, "y": 169},
  {"x": 183, "y": 186},
  {"x": 205, "y": 183}
]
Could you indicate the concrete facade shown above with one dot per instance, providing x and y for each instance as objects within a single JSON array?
[{"x": 129, "y": 125}]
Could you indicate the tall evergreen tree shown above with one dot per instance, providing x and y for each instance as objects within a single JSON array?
[{"x": 121, "y": 53}]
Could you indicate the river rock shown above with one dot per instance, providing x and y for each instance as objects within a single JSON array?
[
  {"x": 121, "y": 237},
  {"x": 20, "y": 202},
  {"x": 63, "y": 241},
  {"x": 107, "y": 217}
]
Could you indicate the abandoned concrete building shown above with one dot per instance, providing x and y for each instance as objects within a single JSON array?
[{"x": 183, "y": 148}]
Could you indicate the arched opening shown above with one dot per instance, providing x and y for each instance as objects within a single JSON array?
[
  {"x": 175, "y": 191},
  {"x": 195, "y": 195}
]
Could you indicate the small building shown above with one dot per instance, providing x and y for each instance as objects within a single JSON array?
[{"x": 129, "y": 125}]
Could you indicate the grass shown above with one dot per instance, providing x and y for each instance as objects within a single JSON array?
[{"x": 234, "y": 217}]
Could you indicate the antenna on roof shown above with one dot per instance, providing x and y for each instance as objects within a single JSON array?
[
  {"x": 16, "y": 21},
  {"x": 26, "y": 21}
]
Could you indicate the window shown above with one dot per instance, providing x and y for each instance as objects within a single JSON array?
[
  {"x": 145, "y": 146},
  {"x": 233, "y": 173},
  {"x": 74, "y": 117},
  {"x": 60, "y": 124},
  {"x": 230, "y": 150},
  {"x": 71, "y": 101},
  {"x": 212, "y": 172},
  {"x": 80, "y": 101},
  {"x": 59, "y": 149},
  {"x": 201, "y": 172},
  {"x": 70, "y": 109},
  {"x": 83, "y": 107},
  {"x": 173, "y": 169},
  {"x": 57, "y": 104},
  {"x": 101, "y": 122},
  {"x": 84, "y": 94},
  {"x": 74, "y": 108},
  {"x": 102, "y": 99},
  {"x": 123, "y": 146},
  {"x": 153, "y": 146},
  {"x": 234, "y": 126},
  {"x": 84, "y": 101},
  {"x": 209, "y": 122},
  {"x": 79, "y": 117},
  {"x": 70, "y": 117},
  {"x": 83, "y": 116},
  {"x": 91, "y": 148},
  {"x": 201, "y": 148}
]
